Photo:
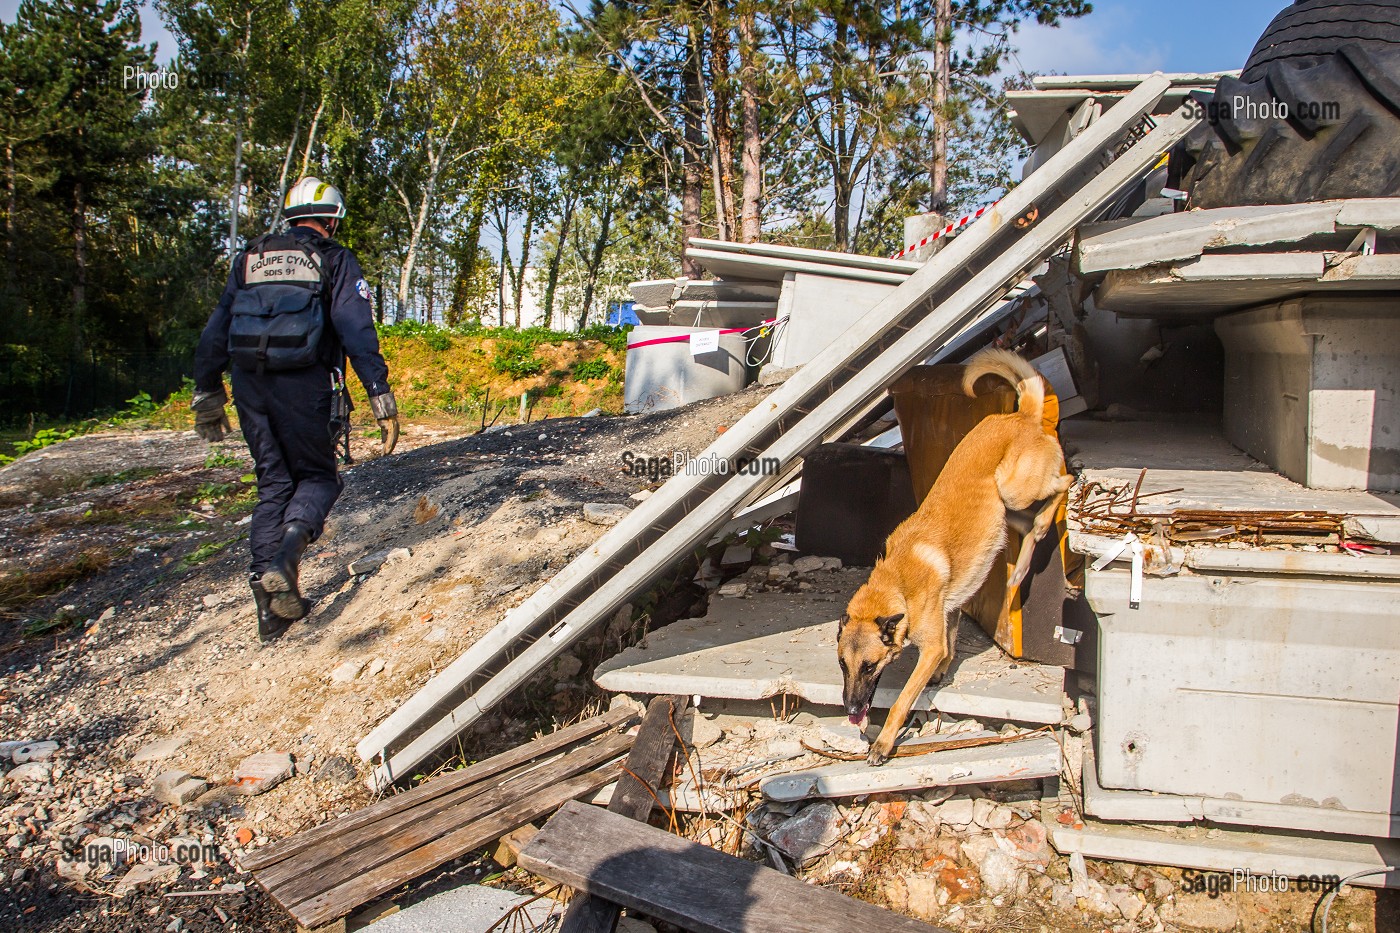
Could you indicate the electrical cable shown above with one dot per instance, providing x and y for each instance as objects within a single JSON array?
[{"x": 1326, "y": 903}]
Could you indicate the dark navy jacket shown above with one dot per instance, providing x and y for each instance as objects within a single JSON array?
[{"x": 351, "y": 331}]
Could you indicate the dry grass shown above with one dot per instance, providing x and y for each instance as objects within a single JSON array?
[{"x": 19, "y": 588}]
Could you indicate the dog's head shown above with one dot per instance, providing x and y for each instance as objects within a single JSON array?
[{"x": 870, "y": 636}]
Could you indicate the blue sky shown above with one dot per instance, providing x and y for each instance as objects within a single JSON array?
[{"x": 1119, "y": 36}]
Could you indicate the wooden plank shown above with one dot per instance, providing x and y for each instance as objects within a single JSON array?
[
  {"x": 345, "y": 897},
  {"x": 690, "y": 885},
  {"x": 444, "y": 784},
  {"x": 637, "y": 790},
  {"x": 292, "y": 881}
]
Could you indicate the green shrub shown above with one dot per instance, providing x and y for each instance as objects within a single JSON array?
[
  {"x": 516, "y": 359},
  {"x": 591, "y": 369}
]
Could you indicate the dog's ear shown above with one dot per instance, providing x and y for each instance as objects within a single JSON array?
[
  {"x": 841, "y": 626},
  {"x": 887, "y": 627}
]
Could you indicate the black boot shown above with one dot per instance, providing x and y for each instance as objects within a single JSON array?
[
  {"x": 281, "y": 581},
  {"x": 269, "y": 625}
]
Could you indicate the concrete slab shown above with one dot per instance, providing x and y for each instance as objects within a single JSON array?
[
  {"x": 773, "y": 643},
  {"x": 1217, "y": 284},
  {"x": 1029, "y": 758},
  {"x": 772, "y": 269},
  {"x": 472, "y": 908},
  {"x": 820, "y": 311},
  {"x": 1146, "y": 806},
  {"x": 1188, "y": 234},
  {"x": 802, "y": 254},
  {"x": 1210, "y": 473},
  {"x": 1228, "y": 850}
]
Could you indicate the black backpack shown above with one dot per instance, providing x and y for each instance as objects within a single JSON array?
[{"x": 279, "y": 314}]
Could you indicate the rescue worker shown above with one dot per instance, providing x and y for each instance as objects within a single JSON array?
[{"x": 295, "y": 305}]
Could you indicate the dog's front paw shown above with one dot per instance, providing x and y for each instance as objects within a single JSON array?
[{"x": 878, "y": 755}]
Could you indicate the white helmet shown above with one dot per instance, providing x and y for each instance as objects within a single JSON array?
[{"x": 312, "y": 197}]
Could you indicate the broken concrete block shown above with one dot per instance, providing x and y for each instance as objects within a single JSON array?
[
  {"x": 734, "y": 590},
  {"x": 336, "y": 770},
  {"x": 160, "y": 749},
  {"x": 34, "y": 751},
  {"x": 376, "y": 666},
  {"x": 509, "y": 846},
  {"x": 957, "y": 812},
  {"x": 368, "y": 563},
  {"x": 36, "y": 772},
  {"x": 736, "y": 555},
  {"x": 844, "y": 737},
  {"x": 261, "y": 772},
  {"x": 177, "y": 788},
  {"x": 698, "y": 730},
  {"x": 1026, "y": 842},
  {"x": 1129, "y": 903},
  {"x": 565, "y": 667},
  {"x": 145, "y": 873},
  {"x": 780, "y": 572},
  {"x": 604, "y": 513},
  {"x": 1000, "y": 873},
  {"x": 811, "y": 833},
  {"x": 347, "y": 672},
  {"x": 988, "y": 815},
  {"x": 832, "y": 563},
  {"x": 809, "y": 564}
]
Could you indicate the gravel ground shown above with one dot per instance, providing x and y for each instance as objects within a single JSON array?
[{"x": 153, "y": 645}]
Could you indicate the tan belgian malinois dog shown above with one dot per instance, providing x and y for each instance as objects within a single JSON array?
[{"x": 938, "y": 558}]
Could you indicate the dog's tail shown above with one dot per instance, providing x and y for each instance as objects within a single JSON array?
[{"x": 1030, "y": 388}]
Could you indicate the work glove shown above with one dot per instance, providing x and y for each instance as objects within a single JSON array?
[
  {"x": 210, "y": 420},
  {"x": 386, "y": 412}
]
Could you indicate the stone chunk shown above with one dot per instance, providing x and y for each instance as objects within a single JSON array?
[
  {"x": 368, "y": 563},
  {"x": 604, "y": 513},
  {"x": 177, "y": 788},
  {"x": 160, "y": 749},
  {"x": 347, "y": 672},
  {"x": 809, "y": 564},
  {"x": 811, "y": 833},
  {"x": 336, "y": 770},
  {"x": 262, "y": 772},
  {"x": 734, "y": 590},
  {"x": 34, "y": 751},
  {"x": 38, "y": 772},
  {"x": 957, "y": 812},
  {"x": 145, "y": 873}
]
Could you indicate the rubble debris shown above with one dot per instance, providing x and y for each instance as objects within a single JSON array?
[
  {"x": 177, "y": 788},
  {"x": 160, "y": 749},
  {"x": 259, "y": 773},
  {"x": 604, "y": 513}
]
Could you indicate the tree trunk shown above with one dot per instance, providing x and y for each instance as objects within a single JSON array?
[
  {"x": 287, "y": 165},
  {"x": 552, "y": 282},
  {"x": 595, "y": 262},
  {"x": 311, "y": 137},
  {"x": 720, "y": 48},
  {"x": 525, "y": 236},
  {"x": 237, "y": 189},
  {"x": 80, "y": 264},
  {"x": 379, "y": 300},
  {"x": 938, "y": 171},
  {"x": 435, "y": 161},
  {"x": 466, "y": 262},
  {"x": 692, "y": 164},
  {"x": 503, "y": 219},
  {"x": 750, "y": 215}
]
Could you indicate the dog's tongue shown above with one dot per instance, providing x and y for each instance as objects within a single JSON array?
[{"x": 857, "y": 720}]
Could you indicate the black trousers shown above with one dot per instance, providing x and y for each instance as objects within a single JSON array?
[{"x": 285, "y": 417}]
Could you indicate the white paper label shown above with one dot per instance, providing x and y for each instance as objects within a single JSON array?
[{"x": 705, "y": 341}]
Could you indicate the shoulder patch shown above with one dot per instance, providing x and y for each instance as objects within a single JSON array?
[{"x": 363, "y": 288}]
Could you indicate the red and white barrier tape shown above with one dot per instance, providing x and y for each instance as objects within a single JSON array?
[
  {"x": 685, "y": 338},
  {"x": 955, "y": 225}
]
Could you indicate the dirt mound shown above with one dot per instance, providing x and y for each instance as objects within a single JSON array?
[{"x": 159, "y": 642}]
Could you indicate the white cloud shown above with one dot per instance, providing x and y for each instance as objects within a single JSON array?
[{"x": 1093, "y": 44}]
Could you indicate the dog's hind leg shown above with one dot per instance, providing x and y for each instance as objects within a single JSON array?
[
  {"x": 1044, "y": 519},
  {"x": 950, "y": 628}
]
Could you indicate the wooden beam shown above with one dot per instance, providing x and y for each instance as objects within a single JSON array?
[
  {"x": 345, "y": 897},
  {"x": 444, "y": 784},
  {"x": 637, "y": 790},
  {"x": 690, "y": 885},
  {"x": 318, "y": 870}
]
